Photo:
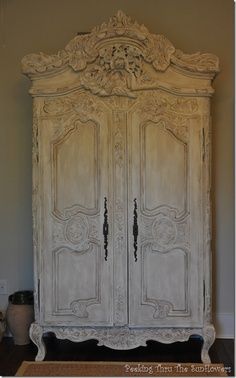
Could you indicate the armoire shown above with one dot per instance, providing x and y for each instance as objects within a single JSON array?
[{"x": 121, "y": 189}]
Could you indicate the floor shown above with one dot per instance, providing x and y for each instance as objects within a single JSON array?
[{"x": 11, "y": 355}]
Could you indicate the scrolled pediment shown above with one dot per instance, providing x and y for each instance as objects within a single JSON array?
[{"x": 118, "y": 47}]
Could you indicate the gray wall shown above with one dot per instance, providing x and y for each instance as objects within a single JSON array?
[{"x": 47, "y": 25}]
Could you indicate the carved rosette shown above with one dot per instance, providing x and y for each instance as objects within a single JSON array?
[
  {"x": 165, "y": 231},
  {"x": 77, "y": 231}
]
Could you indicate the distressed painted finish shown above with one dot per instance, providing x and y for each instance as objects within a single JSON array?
[{"x": 121, "y": 189}]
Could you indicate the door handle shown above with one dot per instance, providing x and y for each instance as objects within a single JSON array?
[
  {"x": 135, "y": 230},
  {"x": 105, "y": 229}
]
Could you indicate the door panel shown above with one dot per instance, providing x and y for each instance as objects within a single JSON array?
[
  {"x": 76, "y": 279},
  {"x": 80, "y": 142},
  {"x": 170, "y": 183},
  {"x": 165, "y": 179}
]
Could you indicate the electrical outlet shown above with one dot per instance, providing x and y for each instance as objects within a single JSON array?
[{"x": 3, "y": 287}]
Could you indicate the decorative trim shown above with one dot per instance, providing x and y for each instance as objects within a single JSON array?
[
  {"x": 145, "y": 47},
  {"x": 119, "y": 122},
  {"x": 122, "y": 337}
]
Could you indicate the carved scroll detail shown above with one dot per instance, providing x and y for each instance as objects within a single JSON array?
[
  {"x": 82, "y": 104},
  {"x": 162, "y": 309},
  {"x": 176, "y": 111},
  {"x": 79, "y": 309}
]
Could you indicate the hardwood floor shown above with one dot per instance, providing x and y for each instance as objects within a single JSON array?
[{"x": 11, "y": 355}]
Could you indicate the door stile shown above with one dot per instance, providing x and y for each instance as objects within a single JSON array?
[{"x": 120, "y": 245}]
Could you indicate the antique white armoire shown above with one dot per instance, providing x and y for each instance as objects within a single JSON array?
[{"x": 121, "y": 189}]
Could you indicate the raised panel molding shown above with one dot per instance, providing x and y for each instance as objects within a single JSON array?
[{"x": 121, "y": 189}]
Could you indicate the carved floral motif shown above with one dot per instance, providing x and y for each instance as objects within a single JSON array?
[
  {"x": 114, "y": 72},
  {"x": 76, "y": 231},
  {"x": 164, "y": 231}
]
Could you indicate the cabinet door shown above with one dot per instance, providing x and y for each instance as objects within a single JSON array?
[
  {"x": 76, "y": 272},
  {"x": 165, "y": 234}
]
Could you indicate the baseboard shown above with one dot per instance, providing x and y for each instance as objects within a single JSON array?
[{"x": 224, "y": 325}]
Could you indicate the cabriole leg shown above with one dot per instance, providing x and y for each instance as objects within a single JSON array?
[
  {"x": 36, "y": 335},
  {"x": 208, "y": 335}
]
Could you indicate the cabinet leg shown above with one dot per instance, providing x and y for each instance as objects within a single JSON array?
[
  {"x": 36, "y": 335},
  {"x": 208, "y": 339}
]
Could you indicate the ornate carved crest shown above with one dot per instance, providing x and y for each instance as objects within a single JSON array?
[{"x": 112, "y": 57}]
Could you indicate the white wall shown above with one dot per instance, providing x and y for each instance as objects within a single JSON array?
[{"x": 47, "y": 25}]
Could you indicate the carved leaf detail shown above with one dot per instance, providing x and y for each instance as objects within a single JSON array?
[
  {"x": 40, "y": 63},
  {"x": 196, "y": 62}
]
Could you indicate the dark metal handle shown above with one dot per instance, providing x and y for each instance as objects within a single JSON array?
[
  {"x": 135, "y": 230},
  {"x": 105, "y": 228}
]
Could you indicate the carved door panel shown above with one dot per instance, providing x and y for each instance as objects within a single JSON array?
[
  {"x": 165, "y": 214},
  {"x": 76, "y": 276}
]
